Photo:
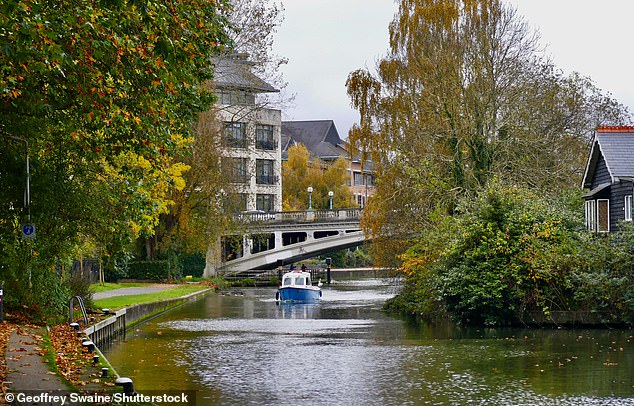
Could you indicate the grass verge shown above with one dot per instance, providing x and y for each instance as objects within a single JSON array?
[
  {"x": 98, "y": 287},
  {"x": 118, "y": 302}
]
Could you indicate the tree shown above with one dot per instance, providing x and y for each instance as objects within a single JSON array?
[
  {"x": 203, "y": 208},
  {"x": 105, "y": 94},
  {"x": 463, "y": 96},
  {"x": 299, "y": 172}
]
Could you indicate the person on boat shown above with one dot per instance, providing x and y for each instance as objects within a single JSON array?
[
  {"x": 292, "y": 269},
  {"x": 303, "y": 267}
]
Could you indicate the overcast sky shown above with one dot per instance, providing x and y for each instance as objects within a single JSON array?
[{"x": 324, "y": 40}]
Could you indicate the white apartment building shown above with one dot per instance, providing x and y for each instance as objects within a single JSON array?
[{"x": 250, "y": 133}]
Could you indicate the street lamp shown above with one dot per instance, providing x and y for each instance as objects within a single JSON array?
[
  {"x": 310, "y": 198},
  {"x": 27, "y": 190},
  {"x": 330, "y": 195}
]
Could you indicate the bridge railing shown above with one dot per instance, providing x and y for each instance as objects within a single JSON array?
[{"x": 300, "y": 216}]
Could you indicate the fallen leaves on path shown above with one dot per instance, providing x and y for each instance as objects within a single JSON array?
[
  {"x": 6, "y": 329},
  {"x": 70, "y": 357}
]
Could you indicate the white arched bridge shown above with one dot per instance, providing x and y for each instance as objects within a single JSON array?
[{"x": 287, "y": 236}]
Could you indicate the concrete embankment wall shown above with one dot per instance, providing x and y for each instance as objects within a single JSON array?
[{"x": 115, "y": 326}]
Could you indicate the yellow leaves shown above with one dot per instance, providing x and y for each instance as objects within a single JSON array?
[
  {"x": 135, "y": 228},
  {"x": 175, "y": 173},
  {"x": 180, "y": 141}
]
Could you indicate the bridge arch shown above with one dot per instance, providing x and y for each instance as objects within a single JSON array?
[{"x": 289, "y": 236}]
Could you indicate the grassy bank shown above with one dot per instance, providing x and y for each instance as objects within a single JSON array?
[
  {"x": 118, "y": 302},
  {"x": 98, "y": 287}
]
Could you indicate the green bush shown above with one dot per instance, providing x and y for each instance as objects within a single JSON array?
[
  {"x": 505, "y": 254},
  {"x": 193, "y": 265},
  {"x": 149, "y": 270}
]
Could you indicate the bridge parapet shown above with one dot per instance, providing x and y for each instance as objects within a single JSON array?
[
  {"x": 292, "y": 217},
  {"x": 289, "y": 236}
]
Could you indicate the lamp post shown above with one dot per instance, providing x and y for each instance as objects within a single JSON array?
[
  {"x": 310, "y": 198},
  {"x": 27, "y": 190},
  {"x": 330, "y": 195}
]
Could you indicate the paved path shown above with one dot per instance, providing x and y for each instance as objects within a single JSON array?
[
  {"x": 26, "y": 366},
  {"x": 141, "y": 290}
]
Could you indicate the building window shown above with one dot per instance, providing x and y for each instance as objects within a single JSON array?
[
  {"x": 235, "y": 203},
  {"x": 591, "y": 213},
  {"x": 264, "y": 137},
  {"x": 265, "y": 202},
  {"x": 236, "y": 169},
  {"x": 236, "y": 97},
  {"x": 242, "y": 201},
  {"x": 369, "y": 180},
  {"x": 264, "y": 172},
  {"x": 603, "y": 215},
  {"x": 236, "y": 135},
  {"x": 628, "y": 208},
  {"x": 358, "y": 178}
]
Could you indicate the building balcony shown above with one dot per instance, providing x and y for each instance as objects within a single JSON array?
[
  {"x": 235, "y": 143},
  {"x": 266, "y": 179},
  {"x": 268, "y": 145}
]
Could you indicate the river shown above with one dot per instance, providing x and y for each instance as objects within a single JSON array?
[{"x": 242, "y": 348}]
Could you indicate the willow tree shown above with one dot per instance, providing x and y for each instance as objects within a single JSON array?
[{"x": 464, "y": 95}]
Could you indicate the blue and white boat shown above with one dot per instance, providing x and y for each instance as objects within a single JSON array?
[{"x": 297, "y": 287}]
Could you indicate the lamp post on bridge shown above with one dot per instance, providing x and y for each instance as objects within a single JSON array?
[
  {"x": 310, "y": 198},
  {"x": 330, "y": 195}
]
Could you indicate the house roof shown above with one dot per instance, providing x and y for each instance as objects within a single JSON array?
[
  {"x": 320, "y": 137},
  {"x": 234, "y": 71},
  {"x": 616, "y": 145}
]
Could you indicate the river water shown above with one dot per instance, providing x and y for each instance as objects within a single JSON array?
[{"x": 242, "y": 348}]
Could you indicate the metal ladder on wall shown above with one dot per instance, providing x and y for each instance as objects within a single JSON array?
[{"x": 80, "y": 302}]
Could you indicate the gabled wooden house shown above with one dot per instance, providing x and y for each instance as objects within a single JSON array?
[{"x": 609, "y": 178}]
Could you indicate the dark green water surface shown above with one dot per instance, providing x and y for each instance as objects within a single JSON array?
[{"x": 241, "y": 348}]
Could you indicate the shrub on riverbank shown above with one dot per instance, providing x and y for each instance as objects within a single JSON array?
[{"x": 507, "y": 254}]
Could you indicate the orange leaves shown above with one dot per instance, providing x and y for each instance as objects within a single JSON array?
[
  {"x": 5, "y": 331},
  {"x": 69, "y": 355}
]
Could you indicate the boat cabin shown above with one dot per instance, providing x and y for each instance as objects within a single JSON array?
[{"x": 296, "y": 279}]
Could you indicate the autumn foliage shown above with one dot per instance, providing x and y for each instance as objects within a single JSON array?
[{"x": 105, "y": 95}]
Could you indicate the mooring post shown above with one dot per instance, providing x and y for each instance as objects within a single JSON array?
[
  {"x": 127, "y": 384},
  {"x": 280, "y": 265},
  {"x": 328, "y": 262}
]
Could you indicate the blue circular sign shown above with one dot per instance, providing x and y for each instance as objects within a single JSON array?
[{"x": 28, "y": 230}]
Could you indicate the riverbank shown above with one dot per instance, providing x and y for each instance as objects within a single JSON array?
[{"x": 53, "y": 359}]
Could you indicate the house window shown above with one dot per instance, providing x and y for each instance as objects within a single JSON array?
[
  {"x": 603, "y": 215},
  {"x": 628, "y": 208},
  {"x": 236, "y": 134},
  {"x": 591, "y": 215},
  {"x": 264, "y": 137},
  {"x": 264, "y": 172},
  {"x": 358, "y": 179},
  {"x": 265, "y": 202}
]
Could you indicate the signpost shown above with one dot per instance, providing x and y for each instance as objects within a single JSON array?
[{"x": 28, "y": 231}]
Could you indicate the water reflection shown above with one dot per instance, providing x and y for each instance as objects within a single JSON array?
[{"x": 244, "y": 348}]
